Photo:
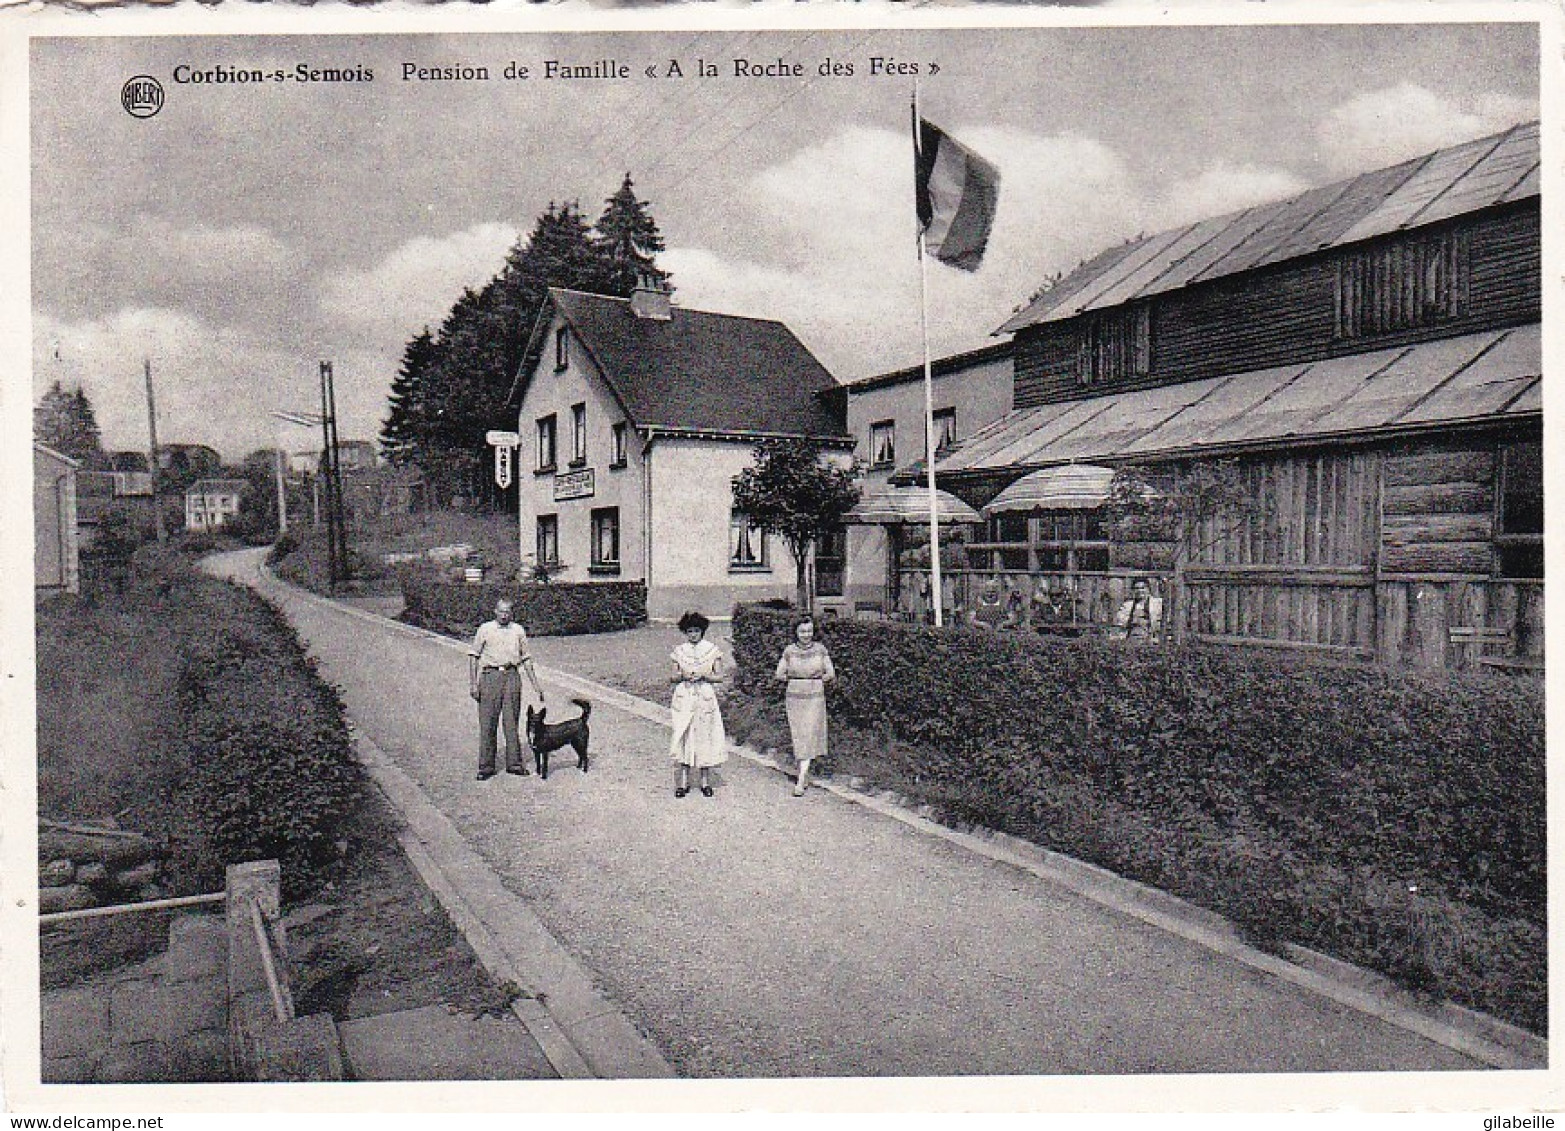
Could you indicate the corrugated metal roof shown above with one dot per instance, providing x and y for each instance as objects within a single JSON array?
[
  {"x": 1500, "y": 171},
  {"x": 1449, "y": 182},
  {"x": 1491, "y": 375},
  {"x": 1494, "y": 382}
]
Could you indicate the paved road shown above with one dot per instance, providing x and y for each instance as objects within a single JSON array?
[{"x": 755, "y": 934}]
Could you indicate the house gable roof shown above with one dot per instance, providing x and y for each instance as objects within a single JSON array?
[
  {"x": 1499, "y": 169},
  {"x": 46, "y": 450},
  {"x": 702, "y": 372}
]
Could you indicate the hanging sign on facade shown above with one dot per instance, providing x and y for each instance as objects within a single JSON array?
[
  {"x": 504, "y": 444},
  {"x": 574, "y": 485}
]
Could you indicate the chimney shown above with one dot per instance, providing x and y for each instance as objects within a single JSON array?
[{"x": 650, "y": 299}]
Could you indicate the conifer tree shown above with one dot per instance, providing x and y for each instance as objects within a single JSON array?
[
  {"x": 627, "y": 240},
  {"x": 65, "y": 422},
  {"x": 454, "y": 385},
  {"x": 399, "y": 434}
]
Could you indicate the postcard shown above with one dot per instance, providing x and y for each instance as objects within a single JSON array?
[{"x": 976, "y": 558}]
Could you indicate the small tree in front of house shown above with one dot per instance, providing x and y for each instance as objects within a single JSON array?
[
  {"x": 792, "y": 491},
  {"x": 1181, "y": 512}
]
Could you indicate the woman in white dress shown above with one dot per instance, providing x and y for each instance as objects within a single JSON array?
[{"x": 699, "y": 740}]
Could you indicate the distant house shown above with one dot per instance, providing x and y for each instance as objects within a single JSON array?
[
  {"x": 1369, "y": 356},
  {"x": 56, "y": 552},
  {"x": 633, "y": 424},
  {"x": 211, "y": 504},
  {"x": 99, "y": 492},
  {"x": 885, "y": 415}
]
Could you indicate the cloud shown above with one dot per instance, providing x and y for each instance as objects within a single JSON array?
[
  {"x": 415, "y": 284},
  {"x": 833, "y": 254},
  {"x": 1395, "y": 123},
  {"x": 214, "y": 385},
  {"x": 1224, "y": 188},
  {"x": 215, "y": 271}
]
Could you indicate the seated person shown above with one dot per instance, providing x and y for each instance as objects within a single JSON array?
[
  {"x": 989, "y": 610},
  {"x": 1052, "y": 606},
  {"x": 1140, "y": 617}
]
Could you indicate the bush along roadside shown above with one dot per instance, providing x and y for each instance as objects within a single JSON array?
[
  {"x": 554, "y": 609},
  {"x": 1392, "y": 819},
  {"x": 270, "y": 767}
]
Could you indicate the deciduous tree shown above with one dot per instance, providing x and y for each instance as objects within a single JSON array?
[{"x": 794, "y": 490}]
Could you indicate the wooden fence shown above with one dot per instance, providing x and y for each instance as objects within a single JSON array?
[{"x": 1433, "y": 621}]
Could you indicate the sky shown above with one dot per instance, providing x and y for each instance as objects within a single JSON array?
[{"x": 246, "y": 232}]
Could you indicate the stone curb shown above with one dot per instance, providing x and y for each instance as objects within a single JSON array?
[
  {"x": 1484, "y": 1038},
  {"x": 582, "y": 1034}
]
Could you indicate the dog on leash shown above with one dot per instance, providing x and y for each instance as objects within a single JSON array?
[{"x": 547, "y": 737}]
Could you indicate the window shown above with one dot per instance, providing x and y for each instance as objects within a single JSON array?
[
  {"x": 578, "y": 435},
  {"x": 1053, "y": 541},
  {"x": 562, "y": 348},
  {"x": 747, "y": 547},
  {"x": 605, "y": 540},
  {"x": 546, "y": 443},
  {"x": 1115, "y": 344},
  {"x": 617, "y": 454},
  {"x": 945, "y": 428},
  {"x": 1519, "y": 537},
  {"x": 548, "y": 539},
  {"x": 883, "y": 444},
  {"x": 1414, "y": 282}
]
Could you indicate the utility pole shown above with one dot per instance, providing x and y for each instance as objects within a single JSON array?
[
  {"x": 336, "y": 518},
  {"x": 152, "y": 455},
  {"x": 282, "y": 494}
]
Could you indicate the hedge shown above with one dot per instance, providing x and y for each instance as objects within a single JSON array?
[
  {"x": 1395, "y": 819},
  {"x": 555, "y": 609},
  {"x": 269, "y": 766}
]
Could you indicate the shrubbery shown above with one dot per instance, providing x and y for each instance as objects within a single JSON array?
[
  {"x": 267, "y": 770},
  {"x": 1394, "y": 819},
  {"x": 556, "y": 609}
]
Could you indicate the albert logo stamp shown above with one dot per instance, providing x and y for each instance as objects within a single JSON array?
[{"x": 142, "y": 96}]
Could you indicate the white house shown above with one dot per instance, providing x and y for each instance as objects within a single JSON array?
[
  {"x": 56, "y": 562},
  {"x": 211, "y": 504},
  {"x": 885, "y": 415},
  {"x": 634, "y": 421}
]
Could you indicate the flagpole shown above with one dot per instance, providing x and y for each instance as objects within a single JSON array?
[{"x": 937, "y": 590}]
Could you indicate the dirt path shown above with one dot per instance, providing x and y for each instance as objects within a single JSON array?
[{"x": 754, "y": 934}]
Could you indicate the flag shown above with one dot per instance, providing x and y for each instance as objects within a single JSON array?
[{"x": 957, "y": 192}]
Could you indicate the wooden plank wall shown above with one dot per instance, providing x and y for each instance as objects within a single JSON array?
[
  {"x": 1297, "y": 567},
  {"x": 1417, "y": 616},
  {"x": 1285, "y": 314},
  {"x": 1439, "y": 510},
  {"x": 1376, "y": 553}
]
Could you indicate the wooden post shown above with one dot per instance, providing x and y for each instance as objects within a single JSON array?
[{"x": 152, "y": 453}]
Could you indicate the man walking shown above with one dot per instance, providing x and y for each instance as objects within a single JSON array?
[{"x": 495, "y": 681}]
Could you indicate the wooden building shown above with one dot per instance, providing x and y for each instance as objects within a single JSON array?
[{"x": 1365, "y": 357}]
